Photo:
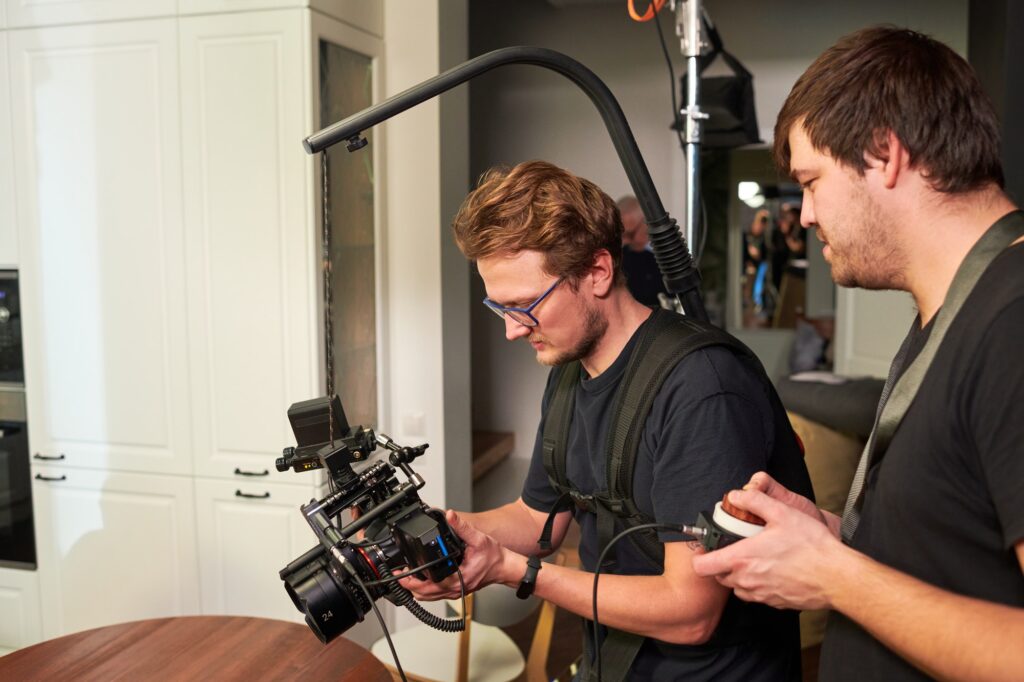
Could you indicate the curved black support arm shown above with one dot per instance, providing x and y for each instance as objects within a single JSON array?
[{"x": 670, "y": 250}]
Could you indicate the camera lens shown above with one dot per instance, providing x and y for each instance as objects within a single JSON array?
[{"x": 332, "y": 603}]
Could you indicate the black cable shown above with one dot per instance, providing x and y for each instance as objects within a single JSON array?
[
  {"x": 406, "y": 574},
  {"x": 383, "y": 626},
  {"x": 597, "y": 574},
  {"x": 672, "y": 85},
  {"x": 462, "y": 595}
]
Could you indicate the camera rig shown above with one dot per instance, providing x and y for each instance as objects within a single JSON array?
[{"x": 337, "y": 582}]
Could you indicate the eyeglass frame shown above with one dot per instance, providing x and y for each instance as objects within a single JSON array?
[{"x": 503, "y": 311}]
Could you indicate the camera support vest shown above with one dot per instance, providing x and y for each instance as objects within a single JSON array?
[{"x": 663, "y": 342}]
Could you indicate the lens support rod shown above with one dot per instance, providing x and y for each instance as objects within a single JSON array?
[{"x": 670, "y": 247}]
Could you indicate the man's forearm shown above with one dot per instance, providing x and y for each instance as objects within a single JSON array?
[
  {"x": 652, "y": 606},
  {"x": 946, "y": 635},
  {"x": 511, "y": 525}
]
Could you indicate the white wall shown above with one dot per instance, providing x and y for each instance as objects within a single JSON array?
[
  {"x": 522, "y": 112},
  {"x": 427, "y": 290}
]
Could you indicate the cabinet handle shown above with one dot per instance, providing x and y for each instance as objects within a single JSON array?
[
  {"x": 46, "y": 458},
  {"x": 40, "y": 477},
  {"x": 239, "y": 472},
  {"x": 239, "y": 493}
]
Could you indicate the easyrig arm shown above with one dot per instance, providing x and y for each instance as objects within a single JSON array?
[{"x": 670, "y": 250}]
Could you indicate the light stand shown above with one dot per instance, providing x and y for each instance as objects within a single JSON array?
[{"x": 690, "y": 29}]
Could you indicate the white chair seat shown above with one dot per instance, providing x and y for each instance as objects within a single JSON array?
[{"x": 431, "y": 654}]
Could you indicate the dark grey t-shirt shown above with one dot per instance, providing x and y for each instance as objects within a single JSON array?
[
  {"x": 945, "y": 503},
  {"x": 713, "y": 424}
]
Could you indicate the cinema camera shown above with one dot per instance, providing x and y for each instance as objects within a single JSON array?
[{"x": 335, "y": 583}]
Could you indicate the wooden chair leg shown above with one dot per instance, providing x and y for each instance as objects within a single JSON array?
[
  {"x": 462, "y": 664},
  {"x": 537, "y": 660},
  {"x": 540, "y": 647}
]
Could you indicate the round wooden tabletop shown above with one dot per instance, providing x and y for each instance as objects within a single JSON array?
[{"x": 194, "y": 648}]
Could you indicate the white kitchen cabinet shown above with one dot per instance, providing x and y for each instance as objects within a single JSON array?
[
  {"x": 98, "y": 189},
  {"x": 367, "y": 16},
  {"x": 24, "y": 13},
  {"x": 113, "y": 547},
  {"x": 248, "y": 532},
  {"x": 250, "y": 94},
  {"x": 8, "y": 224},
  {"x": 251, "y": 235},
  {"x": 20, "y": 624},
  {"x": 170, "y": 255}
]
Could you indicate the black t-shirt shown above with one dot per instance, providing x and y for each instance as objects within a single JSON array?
[
  {"x": 945, "y": 503},
  {"x": 713, "y": 424}
]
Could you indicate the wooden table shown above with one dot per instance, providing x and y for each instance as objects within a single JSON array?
[{"x": 195, "y": 648}]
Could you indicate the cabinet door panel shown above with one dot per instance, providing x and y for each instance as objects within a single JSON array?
[
  {"x": 245, "y": 541},
  {"x": 8, "y": 225},
  {"x": 99, "y": 201},
  {"x": 19, "y": 609},
  {"x": 250, "y": 233},
  {"x": 21, "y": 13},
  {"x": 113, "y": 547},
  {"x": 870, "y": 326}
]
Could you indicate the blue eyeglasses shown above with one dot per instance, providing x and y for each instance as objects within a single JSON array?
[{"x": 523, "y": 316}]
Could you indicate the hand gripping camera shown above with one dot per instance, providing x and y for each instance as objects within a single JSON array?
[{"x": 335, "y": 583}]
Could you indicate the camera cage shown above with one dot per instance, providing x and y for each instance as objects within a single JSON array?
[{"x": 399, "y": 529}]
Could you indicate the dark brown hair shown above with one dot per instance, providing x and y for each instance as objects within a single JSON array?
[
  {"x": 537, "y": 206},
  {"x": 884, "y": 79}
]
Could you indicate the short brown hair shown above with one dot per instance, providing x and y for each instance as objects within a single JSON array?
[
  {"x": 538, "y": 206},
  {"x": 892, "y": 79}
]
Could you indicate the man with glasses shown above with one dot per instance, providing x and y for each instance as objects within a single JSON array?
[{"x": 547, "y": 245}]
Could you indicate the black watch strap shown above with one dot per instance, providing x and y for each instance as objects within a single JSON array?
[{"x": 529, "y": 580}]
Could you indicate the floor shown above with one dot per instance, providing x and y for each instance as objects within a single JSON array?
[{"x": 566, "y": 644}]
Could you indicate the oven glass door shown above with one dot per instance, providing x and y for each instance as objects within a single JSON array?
[{"x": 17, "y": 536}]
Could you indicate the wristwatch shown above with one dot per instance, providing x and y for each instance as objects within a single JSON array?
[{"x": 529, "y": 580}]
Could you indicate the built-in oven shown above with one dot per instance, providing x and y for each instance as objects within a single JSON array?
[{"x": 17, "y": 535}]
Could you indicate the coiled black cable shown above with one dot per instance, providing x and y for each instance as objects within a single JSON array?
[{"x": 403, "y": 597}]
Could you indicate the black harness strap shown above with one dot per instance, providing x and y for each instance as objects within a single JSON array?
[
  {"x": 670, "y": 338},
  {"x": 556, "y": 426},
  {"x": 618, "y": 651}
]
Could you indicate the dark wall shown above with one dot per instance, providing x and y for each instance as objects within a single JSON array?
[{"x": 995, "y": 48}]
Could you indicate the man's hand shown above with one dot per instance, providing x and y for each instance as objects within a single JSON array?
[
  {"x": 787, "y": 565},
  {"x": 484, "y": 562},
  {"x": 775, "y": 490}
]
